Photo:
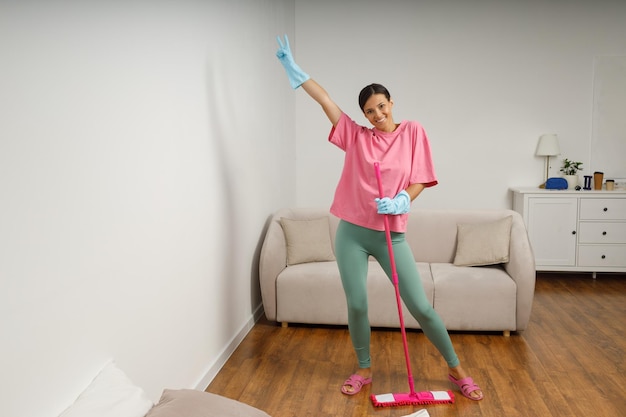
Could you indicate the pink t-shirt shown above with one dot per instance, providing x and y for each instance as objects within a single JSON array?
[{"x": 404, "y": 157}]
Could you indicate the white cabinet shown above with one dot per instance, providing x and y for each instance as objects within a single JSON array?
[
  {"x": 551, "y": 226},
  {"x": 575, "y": 230}
]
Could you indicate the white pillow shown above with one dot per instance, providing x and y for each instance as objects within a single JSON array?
[
  {"x": 192, "y": 403},
  {"x": 481, "y": 244},
  {"x": 307, "y": 240},
  {"x": 110, "y": 394}
]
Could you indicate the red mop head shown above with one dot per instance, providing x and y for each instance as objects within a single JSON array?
[{"x": 417, "y": 398}]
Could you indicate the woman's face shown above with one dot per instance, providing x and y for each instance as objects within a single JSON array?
[{"x": 377, "y": 110}]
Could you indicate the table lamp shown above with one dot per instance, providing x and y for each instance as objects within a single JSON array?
[{"x": 548, "y": 146}]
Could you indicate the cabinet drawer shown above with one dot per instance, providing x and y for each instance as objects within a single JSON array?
[
  {"x": 589, "y": 232},
  {"x": 602, "y": 255},
  {"x": 603, "y": 208}
]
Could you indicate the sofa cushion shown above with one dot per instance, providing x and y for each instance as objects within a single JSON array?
[
  {"x": 305, "y": 292},
  {"x": 481, "y": 298},
  {"x": 193, "y": 403},
  {"x": 313, "y": 293},
  {"x": 307, "y": 240},
  {"x": 485, "y": 243}
]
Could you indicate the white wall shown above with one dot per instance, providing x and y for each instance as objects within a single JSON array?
[
  {"x": 143, "y": 145},
  {"x": 486, "y": 78}
]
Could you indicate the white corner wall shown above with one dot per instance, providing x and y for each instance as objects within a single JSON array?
[
  {"x": 143, "y": 146},
  {"x": 486, "y": 78}
]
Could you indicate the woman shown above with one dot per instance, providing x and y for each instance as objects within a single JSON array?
[{"x": 403, "y": 151}]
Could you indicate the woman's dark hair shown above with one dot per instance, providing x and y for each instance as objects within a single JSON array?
[{"x": 369, "y": 91}]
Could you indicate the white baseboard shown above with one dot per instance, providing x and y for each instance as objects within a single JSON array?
[{"x": 229, "y": 349}]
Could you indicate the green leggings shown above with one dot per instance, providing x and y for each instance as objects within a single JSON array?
[{"x": 353, "y": 245}]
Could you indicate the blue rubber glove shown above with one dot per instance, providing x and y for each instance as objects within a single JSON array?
[
  {"x": 400, "y": 204},
  {"x": 294, "y": 72}
]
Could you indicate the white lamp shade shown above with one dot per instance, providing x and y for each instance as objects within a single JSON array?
[{"x": 548, "y": 145}]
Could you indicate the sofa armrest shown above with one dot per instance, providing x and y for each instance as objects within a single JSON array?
[
  {"x": 272, "y": 261},
  {"x": 521, "y": 267}
]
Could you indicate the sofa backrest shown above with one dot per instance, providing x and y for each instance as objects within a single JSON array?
[
  {"x": 301, "y": 214},
  {"x": 432, "y": 234}
]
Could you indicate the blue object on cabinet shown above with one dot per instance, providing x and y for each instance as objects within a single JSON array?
[{"x": 556, "y": 183}]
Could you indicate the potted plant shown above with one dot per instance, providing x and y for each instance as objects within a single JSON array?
[{"x": 570, "y": 172}]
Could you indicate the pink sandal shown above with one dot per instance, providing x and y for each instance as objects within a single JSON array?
[
  {"x": 467, "y": 386},
  {"x": 356, "y": 382}
]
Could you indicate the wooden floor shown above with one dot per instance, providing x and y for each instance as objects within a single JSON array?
[{"x": 571, "y": 361}]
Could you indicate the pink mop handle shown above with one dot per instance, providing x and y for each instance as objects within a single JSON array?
[{"x": 394, "y": 277}]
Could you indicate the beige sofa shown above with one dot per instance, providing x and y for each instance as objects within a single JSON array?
[{"x": 494, "y": 297}]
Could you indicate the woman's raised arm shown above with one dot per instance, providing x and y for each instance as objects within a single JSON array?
[
  {"x": 298, "y": 78},
  {"x": 317, "y": 93}
]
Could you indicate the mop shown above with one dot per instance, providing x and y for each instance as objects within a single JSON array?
[{"x": 412, "y": 397}]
